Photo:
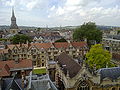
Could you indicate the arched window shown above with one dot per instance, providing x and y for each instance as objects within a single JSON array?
[{"x": 83, "y": 86}]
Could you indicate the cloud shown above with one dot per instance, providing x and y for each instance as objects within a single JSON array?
[
  {"x": 80, "y": 11},
  {"x": 62, "y": 12},
  {"x": 52, "y": 8}
]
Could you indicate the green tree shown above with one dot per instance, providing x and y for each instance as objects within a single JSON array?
[
  {"x": 118, "y": 32},
  {"x": 20, "y": 38},
  {"x": 61, "y": 40},
  {"x": 87, "y": 31},
  {"x": 38, "y": 29},
  {"x": 99, "y": 57}
]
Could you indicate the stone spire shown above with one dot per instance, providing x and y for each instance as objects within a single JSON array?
[{"x": 13, "y": 21}]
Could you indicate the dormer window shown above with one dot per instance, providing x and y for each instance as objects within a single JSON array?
[{"x": 15, "y": 50}]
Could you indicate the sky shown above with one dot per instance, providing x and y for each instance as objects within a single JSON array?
[{"x": 52, "y": 13}]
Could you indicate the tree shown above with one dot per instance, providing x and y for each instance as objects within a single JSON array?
[
  {"x": 87, "y": 31},
  {"x": 99, "y": 57},
  {"x": 20, "y": 38},
  {"x": 61, "y": 40}
]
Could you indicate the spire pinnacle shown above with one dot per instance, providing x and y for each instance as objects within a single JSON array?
[{"x": 13, "y": 12}]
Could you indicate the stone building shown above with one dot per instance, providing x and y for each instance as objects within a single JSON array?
[
  {"x": 41, "y": 53},
  {"x": 13, "y": 27},
  {"x": 113, "y": 45},
  {"x": 71, "y": 75}
]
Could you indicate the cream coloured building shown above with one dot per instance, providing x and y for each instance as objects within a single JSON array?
[{"x": 41, "y": 53}]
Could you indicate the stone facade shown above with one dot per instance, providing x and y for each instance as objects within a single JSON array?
[
  {"x": 113, "y": 45},
  {"x": 41, "y": 53},
  {"x": 13, "y": 27},
  {"x": 85, "y": 78}
]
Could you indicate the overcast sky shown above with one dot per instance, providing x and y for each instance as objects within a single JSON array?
[{"x": 60, "y": 12}]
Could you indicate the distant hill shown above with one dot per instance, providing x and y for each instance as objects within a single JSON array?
[
  {"x": 4, "y": 27},
  {"x": 101, "y": 27}
]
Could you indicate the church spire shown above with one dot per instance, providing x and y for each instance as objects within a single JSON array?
[
  {"x": 13, "y": 12},
  {"x": 13, "y": 21}
]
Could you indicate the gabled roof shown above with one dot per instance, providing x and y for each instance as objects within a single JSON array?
[
  {"x": 61, "y": 44},
  {"x": 12, "y": 83},
  {"x": 42, "y": 45},
  {"x": 7, "y": 66},
  {"x": 68, "y": 64},
  {"x": 46, "y": 45},
  {"x": 3, "y": 51},
  {"x": 112, "y": 73},
  {"x": 79, "y": 44},
  {"x": 4, "y": 70}
]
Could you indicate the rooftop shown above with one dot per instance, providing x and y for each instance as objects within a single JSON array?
[{"x": 68, "y": 65}]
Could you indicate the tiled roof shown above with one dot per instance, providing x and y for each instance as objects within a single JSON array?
[
  {"x": 68, "y": 64},
  {"x": 3, "y": 51},
  {"x": 5, "y": 66},
  {"x": 112, "y": 73},
  {"x": 12, "y": 83},
  {"x": 4, "y": 70},
  {"x": 61, "y": 45},
  {"x": 79, "y": 44},
  {"x": 42, "y": 45},
  {"x": 47, "y": 45}
]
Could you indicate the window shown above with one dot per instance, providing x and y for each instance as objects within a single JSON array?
[
  {"x": 15, "y": 51},
  {"x": 42, "y": 52},
  {"x": 34, "y": 63},
  {"x": 34, "y": 56},
  {"x": 42, "y": 56},
  {"x": 42, "y": 64},
  {"x": 83, "y": 86}
]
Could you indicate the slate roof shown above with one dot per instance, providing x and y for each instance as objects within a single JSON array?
[
  {"x": 68, "y": 64},
  {"x": 12, "y": 83},
  {"x": 112, "y": 73},
  {"x": 40, "y": 83}
]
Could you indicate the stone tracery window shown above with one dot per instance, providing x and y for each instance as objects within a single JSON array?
[{"x": 83, "y": 86}]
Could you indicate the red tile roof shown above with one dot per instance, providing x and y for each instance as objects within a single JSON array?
[
  {"x": 4, "y": 70},
  {"x": 49, "y": 45},
  {"x": 79, "y": 44},
  {"x": 3, "y": 51},
  {"x": 42, "y": 45},
  {"x": 61, "y": 45},
  {"x": 6, "y": 66}
]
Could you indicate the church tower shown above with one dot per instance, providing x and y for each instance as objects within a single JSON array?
[{"x": 13, "y": 27}]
